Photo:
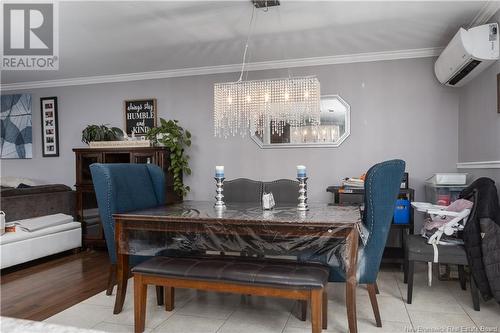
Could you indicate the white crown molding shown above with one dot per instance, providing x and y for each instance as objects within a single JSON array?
[
  {"x": 485, "y": 13},
  {"x": 479, "y": 165},
  {"x": 255, "y": 66}
]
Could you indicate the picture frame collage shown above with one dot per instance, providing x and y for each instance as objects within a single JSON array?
[{"x": 50, "y": 134}]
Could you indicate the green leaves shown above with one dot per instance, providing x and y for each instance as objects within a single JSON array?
[
  {"x": 101, "y": 133},
  {"x": 175, "y": 138}
]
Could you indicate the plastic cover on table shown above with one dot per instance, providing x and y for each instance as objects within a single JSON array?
[{"x": 317, "y": 235}]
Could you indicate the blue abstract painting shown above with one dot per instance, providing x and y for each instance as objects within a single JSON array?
[{"x": 15, "y": 137}]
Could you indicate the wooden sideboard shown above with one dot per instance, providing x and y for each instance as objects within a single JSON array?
[{"x": 86, "y": 203}]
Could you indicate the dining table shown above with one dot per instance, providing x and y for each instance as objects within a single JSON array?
[{"x": 323, "y": 232}]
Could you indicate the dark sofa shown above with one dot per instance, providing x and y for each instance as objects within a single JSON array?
[{"x": 35, "y": 201}]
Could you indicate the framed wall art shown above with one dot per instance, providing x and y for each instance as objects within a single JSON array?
[
  {"x": 50, "y": 133},
  {"x": 16, "y": 139},
  {"x": 498, "y": 92},
  {"x": 140, "y": 116}
]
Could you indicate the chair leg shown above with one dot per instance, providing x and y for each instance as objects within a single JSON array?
[
  {"x": 376, "y": 288},
  {"x": 474, "y": 293},
  {"x": 324, "y": 311},
  {"x": 411, "y": 270},
  {"x": 303, "y": 310},
  {"x": 159, "y": 295},
  {"x": 461, "y": 277},
  {"x": 316, "y": 309},
  {"x": 373, "y": 299},
  {"x": 111, "y": 279},
  {"x": 429, "y": 273},
  {"x": 140, "y": 296},
  {"x": 169, "y": 298},
  {"x": 405, "y": 260}
]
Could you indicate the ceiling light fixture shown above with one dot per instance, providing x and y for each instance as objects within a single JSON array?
[{"x": 244, "y": 107}]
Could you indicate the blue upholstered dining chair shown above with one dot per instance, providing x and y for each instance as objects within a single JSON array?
[
  {"x": 120, "y": 188},
  {"x": 382, "y": 185}
]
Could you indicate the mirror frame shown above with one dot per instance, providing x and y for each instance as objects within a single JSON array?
[{"x": 335, "y": 144}]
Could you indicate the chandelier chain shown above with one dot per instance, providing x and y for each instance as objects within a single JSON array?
[
  {"x": 283, "y": 47},
  {"x": 249, "y": 34},
  {"x": 272, "y": 105}
]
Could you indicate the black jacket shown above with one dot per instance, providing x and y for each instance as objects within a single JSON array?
[{"x": 482, "y": 236}]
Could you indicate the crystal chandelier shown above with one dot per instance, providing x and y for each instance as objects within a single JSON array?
[
  {"x": 247, "y": 106},
  {"x": 244, "y": 107}
]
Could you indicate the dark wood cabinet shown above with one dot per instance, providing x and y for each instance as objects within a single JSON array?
[{"x": 86, "y": 203}]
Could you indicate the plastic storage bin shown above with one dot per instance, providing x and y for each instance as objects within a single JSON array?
[
  {"x": 448, "y": 179},
  {"x": 402, "y": 212},
  {"x": 444, "y": 188},
  {"x": 442, "y": 195}
]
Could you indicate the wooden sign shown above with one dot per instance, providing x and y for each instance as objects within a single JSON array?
[{"x": 140, "y": 116}]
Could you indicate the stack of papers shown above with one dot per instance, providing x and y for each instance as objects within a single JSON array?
[
  {"x": 43, "y": 222},
  {"x": 353, "y": 183}
]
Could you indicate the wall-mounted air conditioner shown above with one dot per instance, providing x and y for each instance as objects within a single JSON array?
[{"x": 467, "y": 55}]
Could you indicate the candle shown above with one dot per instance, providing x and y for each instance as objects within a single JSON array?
[
  {"x": 219, "y": 171},
  {"x": 301, "y": 171}
]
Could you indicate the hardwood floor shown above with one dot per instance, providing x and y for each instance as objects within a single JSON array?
[{"x": 43, "y": 288}]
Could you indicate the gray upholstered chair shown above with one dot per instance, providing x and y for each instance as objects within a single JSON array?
[
  {"x": 417, "y": 250},
  {"x": 285, "y": 191},
  {"x": 242, "y": 190}
]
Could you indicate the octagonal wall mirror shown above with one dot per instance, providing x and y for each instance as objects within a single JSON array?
[{"x": 333, "y": 129}]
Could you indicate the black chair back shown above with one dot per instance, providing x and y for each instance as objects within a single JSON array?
[
  {"x": 242, "y": 190},
  {"x": 285, "y": 191}
]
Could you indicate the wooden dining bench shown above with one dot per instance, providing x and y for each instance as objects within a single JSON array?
[{"x": 298, "y": 281}]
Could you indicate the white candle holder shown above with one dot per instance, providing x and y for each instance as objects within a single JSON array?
[
  {"x": 219, "y": 183},
  {"x": 302, "y": 206}
]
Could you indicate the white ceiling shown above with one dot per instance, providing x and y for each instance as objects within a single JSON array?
[{"x": 106, "y": 38}]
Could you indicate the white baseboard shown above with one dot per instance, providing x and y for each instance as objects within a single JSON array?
[{"x": 479, "y": 165}]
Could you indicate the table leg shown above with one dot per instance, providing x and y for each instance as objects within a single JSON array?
[
  {"x": 122, "y": 278},
  {"x": 122, "y": 272},
  {"x": 351, "y": 281}
]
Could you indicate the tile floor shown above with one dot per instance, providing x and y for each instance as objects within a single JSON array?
[{"x": 444, "y": 307}]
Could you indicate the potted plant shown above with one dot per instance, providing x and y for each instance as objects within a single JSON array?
[
  {"x": 93, "y": 133},
  {"x": 176, "y": 139}
]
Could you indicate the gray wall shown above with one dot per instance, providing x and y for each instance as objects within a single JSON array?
[
  {"x": 479, "y": 121},
  {"x": 398, "y": 111}
]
